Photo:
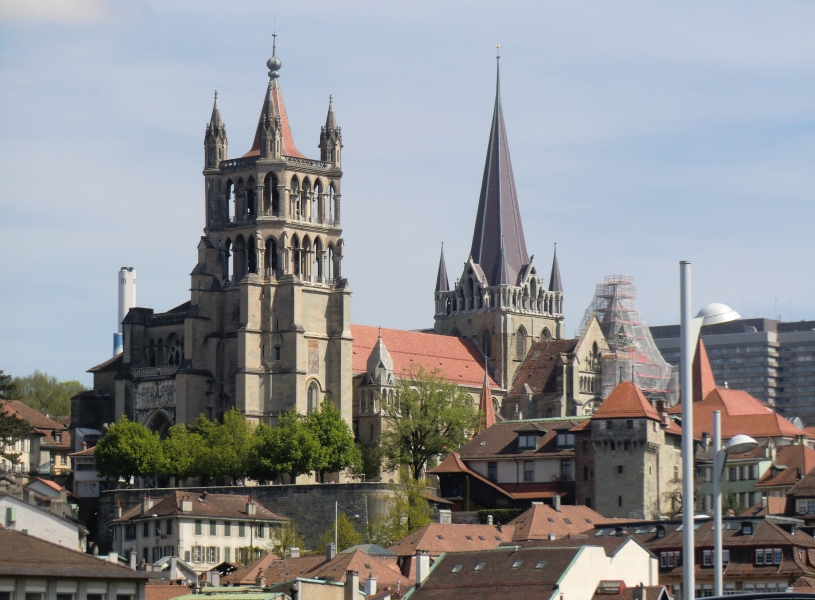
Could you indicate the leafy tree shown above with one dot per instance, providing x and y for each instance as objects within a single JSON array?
[
  {"x": 46, "y": 394},
  {"x": 430, "y": 416},
  {"x": 181, "y": 452},
  {"x": 290, "y": 447},
  {"x": 347, "y": 534},
  {"x": 7, "y": 388},
  {"x": 410, "y": 512},
  {"x": 230, "y": 443},
  {"x": 205, "y": 463},
  {"x": 286, "y": 537},
  {"x": 335, "y": 438},
  {"x": 128, "y": 449},
  {"x": 12, "y": 429},
  {"x": 369, "y": 460}
]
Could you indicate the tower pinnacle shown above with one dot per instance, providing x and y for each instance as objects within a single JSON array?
[
  {"x": 554, "y": 279},
  {"x": 442, "y": 283},
  {"x": 274, "y": 63}
]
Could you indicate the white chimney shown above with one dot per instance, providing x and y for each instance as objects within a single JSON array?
[
  {"x": 370, "y": 585},
  {"x": 351, "y": 585},
  {"x": 556, "y": 502},
  {"x": 294, "y": 552},
  {"x": 113, "y": 557},
  {"x": 146, "y": 503},
  {"x": 445, "y": 516},
  {"x": 422, "y": 566},
  {"x": 250, "y": 508},
  {"x": 489, "y": 519},
  {"x": 186, "y": 504},
  {"x": 552, "y": 537},
  {"x": 127, "y": 300},
  {"x": 330, "y": 551}
]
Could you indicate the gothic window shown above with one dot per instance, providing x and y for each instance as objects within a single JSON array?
[
  {"x": 251, "y": 256},
  {"x": 486, "y": 343},
  {"x": 305, "y": 200},
  {"x": 313, "y": 396},
  {"x": 271, "y": 197},
  {"x": 295, "y": 251},
  {"x": 295, "y": 198},
  {"x": 271, "y": 257},
  {"x": 230, "y": 200},
  {"x": 549, "y": 412},
  {"x": 227, "y": 255},
  {"x": 316, "y": 217},
  {"x": 250, "y": 198},
  {"x": 317, "y": 268},
  {"x": 151, "y": 354},
  {"x": 305, "y": 259},
  {"x": 332, "y": 210},
  {"x": 330, "y": 262},
  {"x": 546, "y": 335},
  {"x": 239, "y": 258},
  {"x": 520, "y": 343},
  {"x": 174, "y": 353}
]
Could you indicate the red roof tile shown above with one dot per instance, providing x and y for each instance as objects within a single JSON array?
[
  {"x": 541, "y": 520},
  {"x": 798, "y": 460},
  {"x": 457, "y": 358},
  {"x": 626, "y": 401},
  {"x": 203, "y": 505},
  {"x": 456, "y": 537},
  {"x": 703, "y": 380},
  {"x": 164, "y": 591},
  {"x": 289, "y": 148},
  {"x": 35, "y": 418}
]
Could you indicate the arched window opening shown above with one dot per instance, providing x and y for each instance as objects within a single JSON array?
[
  {"x": 250, "y": 198},
  {"x": 533, "y": 288},
  {"x": 174, "y": 352},
  {"x": 520, "y": 343},
  {"x": 546, "y": 335},
  {"x": 330, "y": 262},
  {"x": 549, "y": 412},
  {"x": 486, "y": 343},
  {"x": 332, "y": 210},
  {"x": 448, "y": 305},
  {"x": 306, "y": 199},
  {"x": 318, "y": 259},
  {"x": 230, "y": 201},
  {"x": 316, "y": 216},
  {"x": 271, "y": 197},
  {"x": 226, "y": 257},
  {"x": 295, "y": 255},
  {"x": 305, "y": 266},
  {"x": 271, "y": 257},
  {"x": 313, "y": 397},
  {"x": 239, "y": 258},
  {"x": 251, "y": 256},
  {"x": 295, "y": 198}
]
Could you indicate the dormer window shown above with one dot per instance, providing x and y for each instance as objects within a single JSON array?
[
  {"x": 565, "y": 440},
  {"x": 527, "y": 441}
]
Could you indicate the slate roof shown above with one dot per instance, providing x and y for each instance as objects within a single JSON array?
[
  {"x": 21, "y": 554},
  {"x": 111, "y": 364},
  {"x": 35, "y": 418},
  {"x": 457, "y": 358},
  {"x": 805, "y": 487},
  {"x": 541, "y": 520},
  {"x": 498, "y": 228},
  {"x": 209, "y": 505},
  {"x": 455, "y": 574},
  {"x": 539, "y": 370},
  {"x": 798, "y": 459},
  {"x": 501, "y": 440},
  {"x": 554, "y": 278}
]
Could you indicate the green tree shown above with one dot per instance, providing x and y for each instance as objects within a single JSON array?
[
  {"x": 285, "y": 538},
  {"x": 369, "y": 460},
  {"x": 204, "y": 465},
  {"x": 230, "y": 443},
  {"x": 410, "y": 512},
  {"x": 12, "y": 429},
  {"x": 7, "y": 388},
  {"x": 46, "y": 394},
  {"x": 128, "y": 449},
  {"x": 181, "y": 452},
  {"x": 335, "y": 438},
  {"x": 290, "y": 447},
  {"x": 430, "y": 416},
  {"x": 347, "y": 534}
]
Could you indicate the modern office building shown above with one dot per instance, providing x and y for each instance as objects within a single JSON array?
[{"x": 770, "y": 359}]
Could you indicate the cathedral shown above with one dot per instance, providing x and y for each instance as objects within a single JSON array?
[{"x": 268, "y": 327}]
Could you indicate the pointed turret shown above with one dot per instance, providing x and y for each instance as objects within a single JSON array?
[
  {"x": 485, "y": 405},
  {"x": 215, "y": 144},
  {"x": 498, "y": 214},
  {"x": 273, "y": 137},
  {"x": 331, "y": 138},
  {"x": 380, "y": 363},
  {"x": 442, "y": 283},
  {"x": 554, "y": 279}
]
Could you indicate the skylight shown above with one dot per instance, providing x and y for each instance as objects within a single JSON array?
[
  {"x": 567, "y": 521},
  {"x": 517, "y": 564},
  {"x": 456, "y": 569},
  {"x": 479, "y": 566},
  {"x": 469, "y": 537},
  {"x": 481, "y": 537},
  {"x": 440, "y": 536},
  {"x": 540, "y": 564},
  {"x": 588, "y": 520},
  {"x": 551, "y": 520}
]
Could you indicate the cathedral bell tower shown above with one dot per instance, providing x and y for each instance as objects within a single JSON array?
[
  {"x": 268, "y": 326},
  {"x": 500, "y": 301}
]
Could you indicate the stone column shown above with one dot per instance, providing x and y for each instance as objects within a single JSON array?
[
  {"x": 260, "y": 201},
  {"x": 336, "y": 210}
]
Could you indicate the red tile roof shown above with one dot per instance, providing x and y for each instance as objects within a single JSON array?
[
  {"x": 164, "y": 591},
  {"x": 457, "y": 358},
  {"x": 703, "y": 380},
  {"x": 456, "y": 537},
  {"x": 798, "y": 460},
  {"x": 774, "y": 506},
  {"x": 626, "y": 402},
  {"x": 501, "y": 440},
  {"x": 35, "y": 418},
  {"x": 86, "y": 452},
  {"x": 541, "y": 520},
  {"x": 203, "y": 505},
  {"x": 289, "y": 148}
]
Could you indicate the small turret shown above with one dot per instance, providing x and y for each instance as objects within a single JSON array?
[
  {"x": 554, "y": 279},
  {"x": 331, "y": 138},
  {"x": 215, "y": 144},
  {"x": 442, "y": 283},
  {"x": 380, "y": 364}
]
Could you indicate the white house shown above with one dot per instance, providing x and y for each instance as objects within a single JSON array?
[
  {"x": 18, "y": 515},
  {"x": 202, "y": 529}
]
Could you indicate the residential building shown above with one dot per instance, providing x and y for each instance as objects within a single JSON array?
[
  {"x": 88, "y": 483},
  {"x": 55, "y": 523},
  {"x": 512, "y": 464},
  {"x": 204, "y": 530},
  {"x": 555, "y": 522},
  {"x": 576, "y": 573},
  {"x": 770, "y": 359},
  {"x": 45, "y": 451},
  {"x": 36, "y": 569},
  {"x": 628, "y": 457}
]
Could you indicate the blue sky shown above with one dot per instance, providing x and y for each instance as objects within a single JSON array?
[{"x": 641, "y": 134}]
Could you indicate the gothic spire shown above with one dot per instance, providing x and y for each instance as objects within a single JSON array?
[
  {"x": 498, "y": 217},
  {"x": 330, "y": 121},
  {"x": 273, "y": 107},
  {"x": 442, "y": 283},
  {"x": 215, "y": 120},
  {"x": 554, "y": 279}
]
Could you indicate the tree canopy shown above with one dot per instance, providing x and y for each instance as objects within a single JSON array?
[
  {"x": 410, "y": 512},
  {"x": 181, "y": 452},
  {"x": 337, "y": 450},
  {"x": 289, "y": 447},
  {"x": 429, "y": 416},
  {"x": 7, "y": 388},
  {"x": 46, "y": 394},
  {"x": 128, "y": 449}
]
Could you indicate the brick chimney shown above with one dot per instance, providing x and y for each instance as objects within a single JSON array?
[{"x": 351, "y": 585}]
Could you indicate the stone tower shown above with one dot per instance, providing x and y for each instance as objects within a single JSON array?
[
  {"x": 500, "y": 300},
  {"x": 267, "y": 327}
]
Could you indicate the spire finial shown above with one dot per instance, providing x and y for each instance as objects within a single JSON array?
[
  {"x": 331, "y": 98},
  {"x": 497, "y": 50},
  {"x": 274, "y": 63},
  {"x": 216, "y": 94}
]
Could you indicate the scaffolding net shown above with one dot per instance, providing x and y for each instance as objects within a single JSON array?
[{"x": 632, "y": 355}]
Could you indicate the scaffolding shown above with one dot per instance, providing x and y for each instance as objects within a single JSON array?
[{"x": 632, "y": 355}]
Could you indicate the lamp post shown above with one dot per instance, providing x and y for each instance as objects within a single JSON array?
[
  {"x": 712, "y": 314},
  {"x": 336, "y": 520},
  {"x": 738, "y": 444}
]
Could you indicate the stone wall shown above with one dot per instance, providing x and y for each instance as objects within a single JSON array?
[{"x": 311, "y": 507}]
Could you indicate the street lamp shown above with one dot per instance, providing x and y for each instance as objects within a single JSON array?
[
  {"x": 336, "y": 520},
  {"x": 712, "y": 314},
  {"x": 738, "y": 444}
]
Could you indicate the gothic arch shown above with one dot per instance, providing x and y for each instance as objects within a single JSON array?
[
  {"x": 313, "y": 395},
  {"x": 230, "y": 200},
  {"x": 227, "y": 255},
  {"x": 239, "y": 258},
  {"x": 486, "y": 342},
  {"x": 546, "y": 335},
  {"x": 520, "y": 343},
  {"x": 159, "y": 421},
  {"x": 271, "y": 197},
  {"x": 295, "y": 254},
  {"x": 251, "y": 204},
  {"x": 270, "y": 258},
  {"x": 318, "y": 258}
]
